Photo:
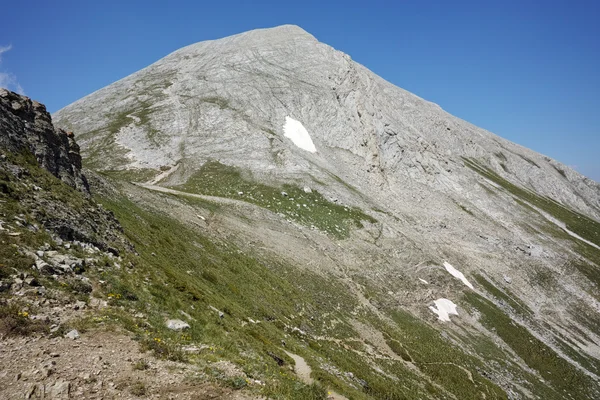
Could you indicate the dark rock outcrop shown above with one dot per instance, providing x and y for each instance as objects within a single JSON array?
[
  {"x": 26, "y": 125},
  {"x": 69, "y": 213}
]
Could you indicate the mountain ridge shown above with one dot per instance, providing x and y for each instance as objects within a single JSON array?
[
  {"x": 398, "y": 207},
  {"x": 268, "y": 123}
]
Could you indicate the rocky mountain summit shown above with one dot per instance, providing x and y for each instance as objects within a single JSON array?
[{"x": 294, "y": 226}]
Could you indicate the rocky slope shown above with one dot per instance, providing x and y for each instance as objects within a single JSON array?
[
  {"x": 286, "y": 199},
  {"x": 27, "y": 126}
]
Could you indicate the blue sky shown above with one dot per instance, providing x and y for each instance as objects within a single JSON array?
[{"x": 526, "y": 70}]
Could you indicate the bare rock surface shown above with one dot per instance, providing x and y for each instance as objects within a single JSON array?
[
  {"x": 229, "y": 99},
  {"x": 25, "y": 124}
]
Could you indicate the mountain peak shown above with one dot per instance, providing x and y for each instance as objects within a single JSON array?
[
  {"x": 281, "y": 33},
  {"x": 297, "y": 154}
]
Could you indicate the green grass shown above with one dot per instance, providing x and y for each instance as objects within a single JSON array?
[
  {"x": 500, "y": 155},
  {"x": 465, "y": 209},
  {"x": 581, "y": 224},
  {"x": 565, "y": 379},
  {"x": 505, "y": 296},
  {"x": 220, "y": 102},
  {"x": 309, "y": 209},
  {"x": 529, "y": 160},
  {"x": 14, "y": 321},
  {"x": 132, "y": 174},
  {"x": 442, "y": 361},
  {"x": 179, "y": 269}
]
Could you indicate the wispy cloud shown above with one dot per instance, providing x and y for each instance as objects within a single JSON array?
[
  {"x": 7, "y": 79},
  {"x": 4, "y": 49}
]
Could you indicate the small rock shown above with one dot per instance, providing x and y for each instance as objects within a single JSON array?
[
  {"x": 60, "y": 390},
  {"x": 79, "y": 305},
  {"x": 31, "y": 281},
  {"x": 72, "y": 334},
  {"x": 5, "y": 286},
  {"x": 177, "y": 325},
  {"x": 31, "y": 391}
]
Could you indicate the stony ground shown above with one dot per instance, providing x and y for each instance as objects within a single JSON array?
[{"x": 97, "y": 365}]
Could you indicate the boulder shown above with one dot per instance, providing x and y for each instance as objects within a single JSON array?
[{"x": 177, "y": 325}]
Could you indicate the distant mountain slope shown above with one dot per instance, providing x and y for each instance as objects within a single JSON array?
[
  {"x": 229, "y": 98},
  {"x": 413, "y": 216}
]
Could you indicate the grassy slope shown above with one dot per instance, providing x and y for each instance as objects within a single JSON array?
[
  {"x": 310, "y": 209},
  {"x": 180, "y": 268},
  {"x": 565, "y": 379}
]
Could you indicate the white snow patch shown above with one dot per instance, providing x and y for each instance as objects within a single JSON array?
[
  {"x": 424, "y": 281},
  {"x": 297, "y": 133},
  {"x": 457, "y": 274},
  {"x": 444, "y": 308}
]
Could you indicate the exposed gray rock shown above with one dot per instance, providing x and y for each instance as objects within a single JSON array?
[
  {"x": 73, "y": 334},
  {"x": 366, "y": 130},
  {"x": 177, "y": 325},
  {"x": 60, "y": 390},
  {"x": 26, "y": 125}
]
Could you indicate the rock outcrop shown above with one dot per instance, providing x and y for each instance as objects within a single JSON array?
[
  {"x": 30, "y": 145},
  {"x": 26, "y": 125}
]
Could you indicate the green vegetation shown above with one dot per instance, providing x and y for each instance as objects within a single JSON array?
[
  {"x": 445, "y": 363},
  {"x": 180, "y": 270},
  {"x": 15, "y": 321},
  {"x": 582, "y": 225},
  {"x": 562, "y": 376},
  {"x": 500, "y": 155},
  {"x": 218, "y": 101},
  {"x": 529, "y": 160},
  {"x": 465, "y": 209},
  {"x": 310, "y": 209},
  {"x": 507, "y": 297}
]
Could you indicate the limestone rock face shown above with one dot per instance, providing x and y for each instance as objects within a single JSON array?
[
  {"x": 229, "y": 99},
  {"x": 25, "y": 124}
]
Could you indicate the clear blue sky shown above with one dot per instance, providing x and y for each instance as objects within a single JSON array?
[{"x": 526, "y": 70}]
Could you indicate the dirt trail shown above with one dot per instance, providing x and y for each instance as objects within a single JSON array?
[
  {"x": 301, "y": 368},
  {"x": 222, "y": 200},
  {"x": 163, "y": 175},
  {"x": 98, "y": 365},
  {"x": 303, "y": 371}
]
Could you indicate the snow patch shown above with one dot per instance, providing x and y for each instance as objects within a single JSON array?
[
  {"x": 457, "y": 274},
  {"x": 424, "y": 281},
  {"x": 297, "y": 133},
  {"x": 444, "y": 308}
]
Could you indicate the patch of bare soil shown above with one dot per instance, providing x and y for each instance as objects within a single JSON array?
[{"x": 98, "y": 365}]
